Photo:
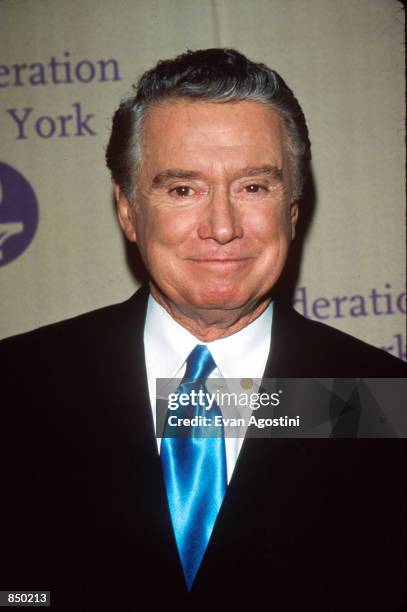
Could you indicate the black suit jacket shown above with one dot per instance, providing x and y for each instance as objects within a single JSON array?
[{"x": 305, "y": 524}]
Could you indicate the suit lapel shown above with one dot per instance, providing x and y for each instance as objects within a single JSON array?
[
  {"x": 263, "y": 477},
  {"x": 141, "y": 503}
]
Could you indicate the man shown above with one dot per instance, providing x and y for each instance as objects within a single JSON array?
[{"x": 208, "y": 162}]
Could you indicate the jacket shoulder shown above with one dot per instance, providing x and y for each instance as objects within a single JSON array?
[
  {"x": 325, "y": 351},
  {"x": 77, "y": 335}
]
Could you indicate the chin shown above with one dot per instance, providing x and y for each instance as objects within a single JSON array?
[{"x": 220, "y": 298}]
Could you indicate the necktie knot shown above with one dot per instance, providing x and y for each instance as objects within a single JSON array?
[{"x": 200, "y": 363}]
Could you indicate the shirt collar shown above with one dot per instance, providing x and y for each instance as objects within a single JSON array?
[{"x": 168, "y": 344}]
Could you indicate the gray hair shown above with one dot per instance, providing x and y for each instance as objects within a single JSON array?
[{"x": 212, "y": 75}]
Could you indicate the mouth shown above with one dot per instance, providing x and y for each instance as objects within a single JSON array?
[{"x": 219, "y": 261}]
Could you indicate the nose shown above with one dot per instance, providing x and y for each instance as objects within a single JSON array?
[{"x": 220, "y": 221}]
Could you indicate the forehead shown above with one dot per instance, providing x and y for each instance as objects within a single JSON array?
[{"x": 181, "y": 132}]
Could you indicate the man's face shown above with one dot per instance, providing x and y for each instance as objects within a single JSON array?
[{"x": 213, "y": 216}]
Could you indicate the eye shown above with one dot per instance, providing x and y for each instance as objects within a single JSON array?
[
  {"x": 182, "y": 191},
  {"x": 254, "y": 188}
]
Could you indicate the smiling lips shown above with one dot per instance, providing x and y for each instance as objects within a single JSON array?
[{"x": 225, "y": 261}]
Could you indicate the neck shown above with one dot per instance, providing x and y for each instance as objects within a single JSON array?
[{"x": 210, "y": 324}]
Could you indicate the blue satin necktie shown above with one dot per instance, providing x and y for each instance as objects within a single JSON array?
[{"x": 194, "y": 469}]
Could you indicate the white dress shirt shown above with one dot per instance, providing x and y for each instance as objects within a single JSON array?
[{"x": 243, "y": 355}]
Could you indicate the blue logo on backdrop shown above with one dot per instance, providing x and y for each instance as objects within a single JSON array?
[{"x": 18, "y": 214}]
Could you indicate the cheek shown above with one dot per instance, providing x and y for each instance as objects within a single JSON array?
[
  {"x": 165, "y": 229},
  {"x": 268, "y": 226}
]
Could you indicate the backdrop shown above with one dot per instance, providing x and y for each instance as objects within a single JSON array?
[{"x": 64, "y": 66}]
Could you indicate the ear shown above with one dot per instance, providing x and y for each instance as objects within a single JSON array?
[
  {"x": 125, "y": 213},
  {"x": 293, "y": 217}
]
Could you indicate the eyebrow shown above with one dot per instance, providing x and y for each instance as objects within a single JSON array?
[
  {"x": 160, "y": 178},
  {"x": 272, "y": 171}
]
